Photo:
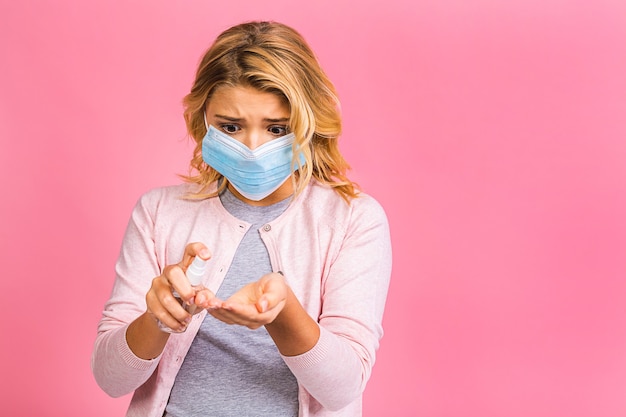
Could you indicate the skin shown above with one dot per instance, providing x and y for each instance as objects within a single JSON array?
[{"x": 252, "y": 117}]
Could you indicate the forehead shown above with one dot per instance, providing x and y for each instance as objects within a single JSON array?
[{"x": 240, "y": 101}]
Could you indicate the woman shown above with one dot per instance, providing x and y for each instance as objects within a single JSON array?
[{"x": 289, "y": 316}]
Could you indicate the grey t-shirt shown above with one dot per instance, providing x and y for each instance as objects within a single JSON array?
[{"x": 231, "y": 370}]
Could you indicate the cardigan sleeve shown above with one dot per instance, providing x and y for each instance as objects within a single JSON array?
[
  {"x": 336, "y": 370},
  {"x": 116, "y": 368}
]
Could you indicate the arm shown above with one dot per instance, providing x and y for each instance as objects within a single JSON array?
[
  {"x": 336, "y": 370},
  {"x": 294, "y": 332},
  {"x": 116, "y": 368},
  {"x": 129, "y": 343}
]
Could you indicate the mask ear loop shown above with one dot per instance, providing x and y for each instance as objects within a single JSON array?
[
  {"x": 205, "y": 123},
  {"x": 222, "y": 182}
]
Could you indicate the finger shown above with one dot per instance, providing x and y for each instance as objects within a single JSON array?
[
  {"x": 165, "y": 308},
  {"x": 177, "y": 281},
  {"x": 206, "y": 299},
  {"x": 274, "y": 291},
  {"x": 222, "y": 315},
  {"x": 248, "y": 315},
  {"x": 164, "y": 319},
  {"x": 231, "y": 318},
  {"x": 192, "y": 250}
]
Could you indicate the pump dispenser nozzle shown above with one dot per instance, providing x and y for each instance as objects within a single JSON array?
[{"x": 196, "y": 271}]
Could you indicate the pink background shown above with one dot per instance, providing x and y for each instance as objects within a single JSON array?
[{"x": 494, "y": 134}]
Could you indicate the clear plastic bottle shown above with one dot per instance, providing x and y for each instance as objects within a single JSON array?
[{"x": 195, "y": 273}]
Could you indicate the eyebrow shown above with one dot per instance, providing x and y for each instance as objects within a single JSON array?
[
  {"x": 232, "y": 119},
  {"x": 237, "y": 119}
]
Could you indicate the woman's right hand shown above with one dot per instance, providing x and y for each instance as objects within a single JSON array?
[
  {"x": 161, "y": 303},
  {"x": 144, "y": 336}
]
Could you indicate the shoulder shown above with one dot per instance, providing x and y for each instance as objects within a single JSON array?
[
  {"x": 169, "y": 192},
  {"x": 168, "y": 201},
  {"x": 318, "y": 192},
  {"x": 325, "y": 201},
  {"x": 168, "y": 195}
]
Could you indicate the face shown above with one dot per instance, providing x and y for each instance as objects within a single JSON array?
[
  {"x": 253, "y": 118},
  {"x": 248, "y": 115}
]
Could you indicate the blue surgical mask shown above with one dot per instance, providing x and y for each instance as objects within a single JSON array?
[{"x": 255, "y": 174}]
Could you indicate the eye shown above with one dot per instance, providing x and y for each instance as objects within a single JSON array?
[
  {"x": 230, "y": 128},
  {"x": 278, "y": 130}
]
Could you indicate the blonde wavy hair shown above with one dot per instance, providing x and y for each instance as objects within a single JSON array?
[{"x": 272, "y": 57}]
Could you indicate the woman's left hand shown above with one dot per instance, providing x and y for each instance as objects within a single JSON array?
[{"x": 254, "y": 305}]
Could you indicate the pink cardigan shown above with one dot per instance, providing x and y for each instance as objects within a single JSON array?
[{"x": 336, "y": 258}]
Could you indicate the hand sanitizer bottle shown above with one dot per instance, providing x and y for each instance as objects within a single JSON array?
[{"x": 195, "y": 273}]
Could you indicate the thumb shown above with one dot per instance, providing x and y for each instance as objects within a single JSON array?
[
  {"x": 273, "y": 290},
  {"x": 262, "y": 305}
]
